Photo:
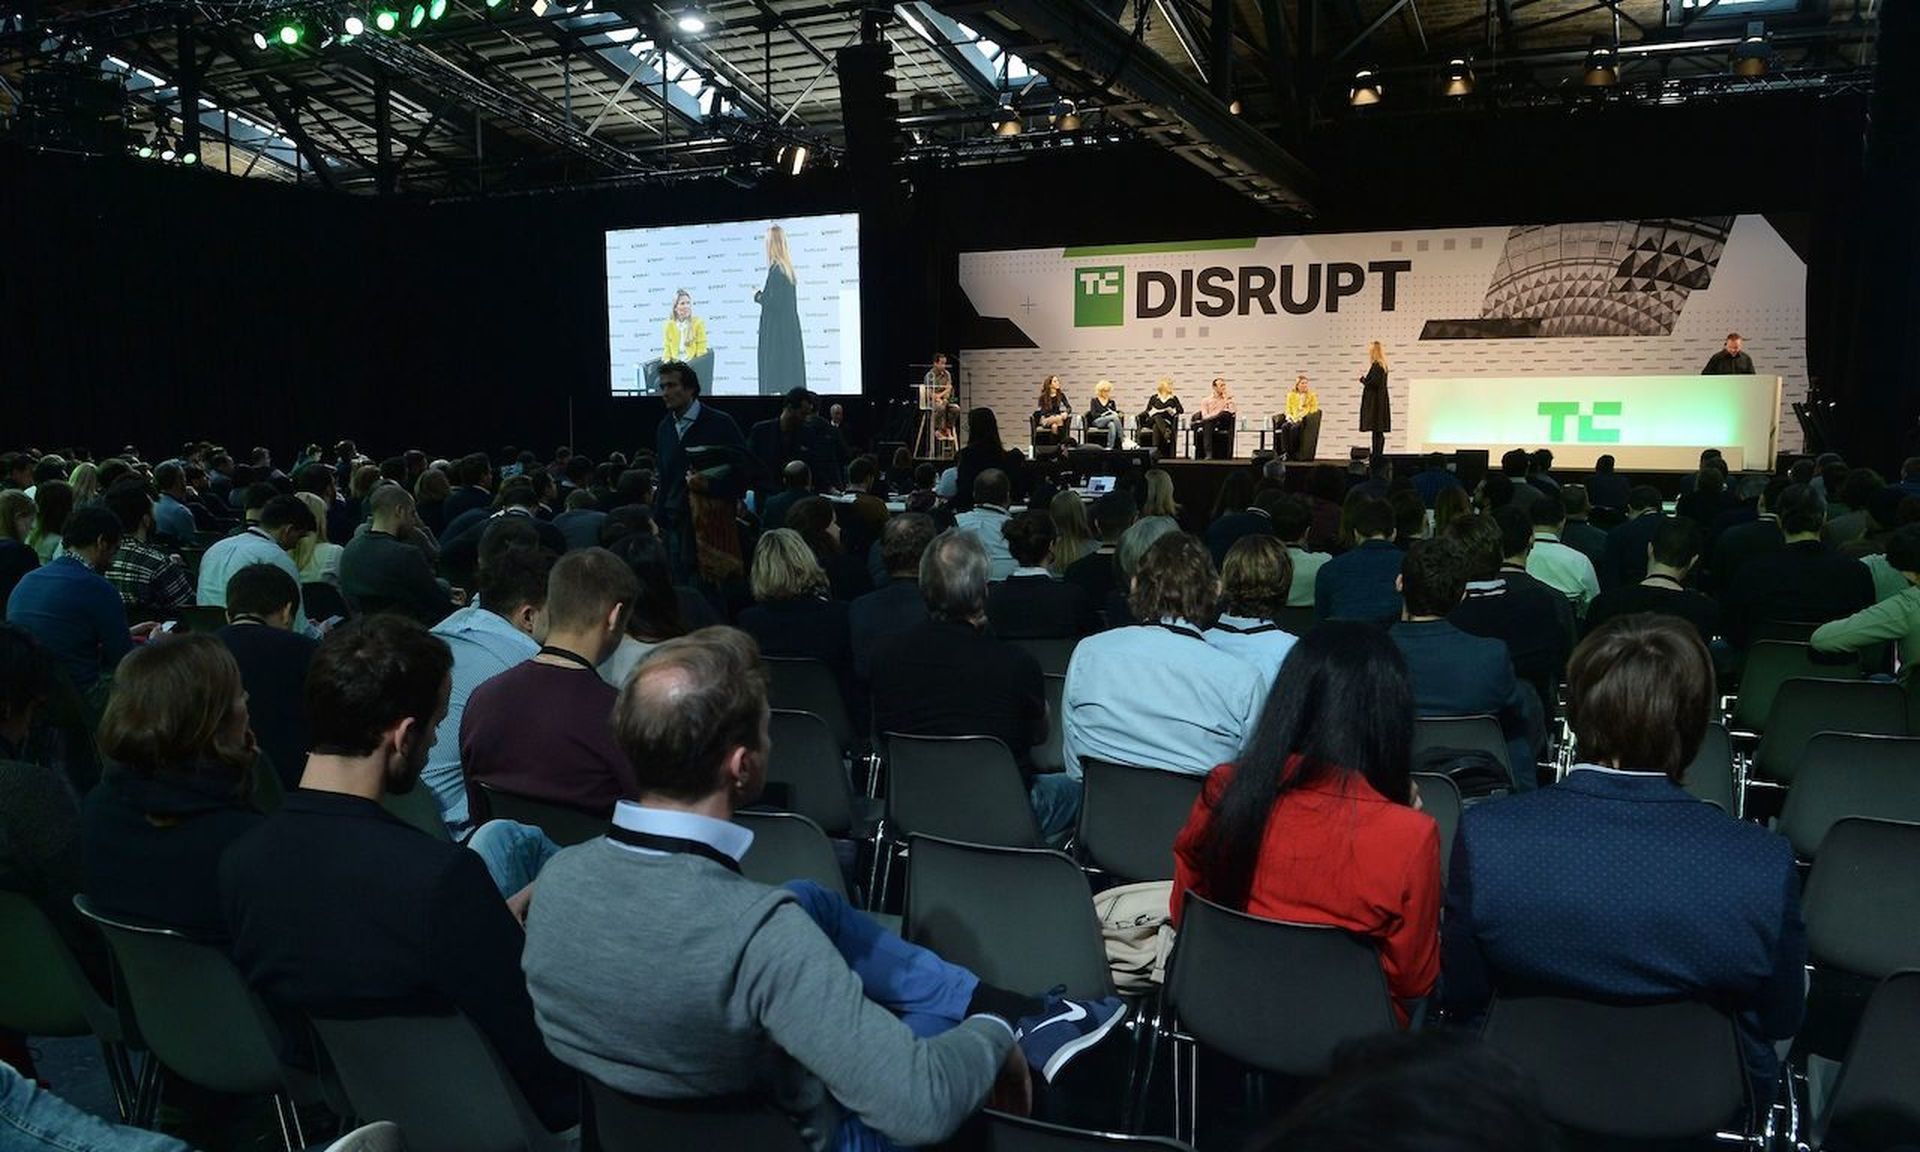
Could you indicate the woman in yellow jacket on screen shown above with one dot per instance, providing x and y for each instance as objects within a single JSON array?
[{"x": 684, "y": 336}]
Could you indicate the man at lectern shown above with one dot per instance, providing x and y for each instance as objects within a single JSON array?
[{"x": 1729, "y": 361}]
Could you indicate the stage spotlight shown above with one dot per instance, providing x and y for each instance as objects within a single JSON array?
[
  {"x": 691, "y": 23},
  {"x": 290, "y": 33},
  {"x": 1006, "y": 122},
  {"x": 353, "y": 26},
  {"x": 260, "y": 41},
  {"x": 793, "y": 159},
  {"x": 1236, "y": 107},
  {"x": 386, "y": 19},
  {"x": 145, "y": 151},
  {"x": 436, "y": 9},
  {"x": 540, "y": 7},
  {"x": 1065, "y": 115},
  {"x": 189, "y": 158},
  {"x": 1366, "y": 89},
  {"x": 495, "y": 3},
  {"x": 166, "y": 154},
  {"x": 417, "y": 16},
  {"x": 1603, "y": 68},
  {"x": 1752, "y": 55},
  {"x": 1459, "y": 78}
]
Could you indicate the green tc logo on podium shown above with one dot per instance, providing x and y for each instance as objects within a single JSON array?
[
  {"x": 1099, "y": 297},
  {"x": 1558, "y": 412}
]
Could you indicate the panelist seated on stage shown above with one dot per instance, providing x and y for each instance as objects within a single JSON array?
[
  {"x": 1302, "y": 402},
  {"x": 1103, "y": 415},
  {"x": 1160, "y": 419},
  {"x": 1213, "y": 431},
  {"x": 1053, "y": 414}
]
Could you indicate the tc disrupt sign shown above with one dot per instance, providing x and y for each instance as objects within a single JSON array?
[
  {"x": 1100, "y": 290},
  {"x": 1583, "y": 418}
]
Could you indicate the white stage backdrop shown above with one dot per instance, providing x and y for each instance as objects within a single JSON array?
[{"x": 1614, "y": 298}]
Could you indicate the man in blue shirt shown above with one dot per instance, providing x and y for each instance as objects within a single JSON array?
[
  {"x": 171, "y": 516},
  {"x": 70, "y": 607},
  {"x": 283, "y": 521},
  {"x": 1359, "y": 584},
  {"x": 503, "y": 630}
]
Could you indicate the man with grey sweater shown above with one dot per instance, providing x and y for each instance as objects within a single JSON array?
[{"x": 659, "y": 970}]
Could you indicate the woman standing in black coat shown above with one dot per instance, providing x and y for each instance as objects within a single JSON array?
[
  {"x": 1376, "y": 413},
  {"x": 783, "y": 353}
]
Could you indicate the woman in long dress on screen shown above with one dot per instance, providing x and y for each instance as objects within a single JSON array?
[{"x": 783, "y": 353}]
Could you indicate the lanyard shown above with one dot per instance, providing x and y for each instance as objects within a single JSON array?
[
  {"x": 672, "y": 845},
  {"x": 569, "y": 657}
]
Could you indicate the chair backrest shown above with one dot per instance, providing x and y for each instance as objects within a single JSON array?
[
  {"x": 322, "y": 600},
  {"x": 379, "y": 1136},
  {"x": 1053, "y": 653},
  {"x": 194, "y": 1010},
  {"x": 788, "y": 846},
  {"x": 1790, "y": 631},
  {"x": 201, "y": 617},
  {"x": 616, "y": 1122},
  {"x": 563, "y": 825},
  {"x": 434, "y": 1076},
  {"x": 1771, "y": 663},
  {"x": 1440, "y": 798},
  {"x": 1599, "y": 1074},
  {"x": 1710, "y": 775},
  {"x": 43, "y": 991},
  {"x": 801, "y": 685},
  {"x": 999, "y": 1132},
  {"x": 807, "y": 759},
  {"x": 1280, "y": 997},
  {"x": 1862, "y": 900},
  {"x": 1804, "y": 707},
  {"x": 1050, "y": 757},
  {"x": 1130, "y": 816},
  {"x": 1843, "y": 775},
  {"x": 1478, "y": 733},
  {"x": 1874, "y": 1104},
  {"x": 964, "y": 788},
  {"x": 418, "y": 808},
  {"x": 1015, "y": 917}
]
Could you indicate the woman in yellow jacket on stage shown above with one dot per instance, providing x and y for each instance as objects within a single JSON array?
[{"x": 1302, "y": 401}]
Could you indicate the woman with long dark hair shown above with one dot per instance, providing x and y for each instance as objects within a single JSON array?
[
  {"x": 655, "y": 617},
  {"x": 983, "y": 451},
  {"x": 1317, "y": 821}
]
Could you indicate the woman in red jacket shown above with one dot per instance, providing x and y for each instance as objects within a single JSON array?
[{"x": 1318, "y": 822}]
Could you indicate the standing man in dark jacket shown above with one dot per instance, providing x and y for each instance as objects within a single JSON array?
[
  {"x": 1730, "y": 360},
  {"x": 687, "y": 425}
]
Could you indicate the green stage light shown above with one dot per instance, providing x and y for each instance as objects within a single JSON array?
[
  {"x": 437, "y": 9},
  {"x": 290, "y": 33},
  {"x": 386, "y": 19},
  {"x": 418, "y": 16},
  {"x": 146, "y": 151},
  {"x": 189, "y": 158}
]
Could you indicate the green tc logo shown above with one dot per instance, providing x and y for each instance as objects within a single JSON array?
[
  {"x": 1099, "y": 297},
  {"x": 1557, "y": 412}
]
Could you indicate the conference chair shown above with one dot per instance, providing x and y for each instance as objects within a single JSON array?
[
  {"x": 564, "y": 826},
  {"x": 806, "y": 760},
  {"x": 1804, "y": 707},
  {"x": 1467, "y": 733},
  {"x": 999, "y": 1132},
  {"x": 1015, "y": 917},
  {"x": 418, "y": 808},
  {"x": 1861, "y": 903},
  {"x": 45, "y": 992},
  {"x": 1050, "y": 756},
  {"x": 1275, "y": 996},
  {"x": 1597, "y": 1075},
  {"x": 379, "y": 1136},
  {"x": 1053, "y": 654},
  {"x": 613, "y": 1121},
  {"x": 200, "y": 617},
  {"x": 437, "y": 1078},
  {"x": 797, "y": 684},
  {"x": 1843, "y": 775},
  {"x": 1711, "y": 776},
  {"x": 788, "y": 846},
  {"x": 323, "y": 601},
  {"x": 1130, "y": 816},
  {"x": 1440, "y": 799},
  {"x": 1771, "y": 663},
  {"x": 1874, "y": 1104},
  {"x": 965, "y": 788},
  {"x": 63, "y": 738},
  {"x": 198, "y": 1018}
]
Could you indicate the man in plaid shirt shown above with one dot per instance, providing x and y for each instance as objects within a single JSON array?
[{"x": 145, "y": 577}]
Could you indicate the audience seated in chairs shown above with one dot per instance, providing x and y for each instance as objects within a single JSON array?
[
  {"x": 1126, "y": 562},
  {"x": 1359, "y": 584},
  {"x": 794, "y": 615},
  {"x": 1156, "y": 694},
  {"x": 1293, "y": 523},
  {"x": 986, "y": 519},
  {"x": 1557, "y": 565},
  {"x": 1235, "y": 514},
  {"x": 16, "y": 556},
  {"x": 486, "y": 639},
  {"x": 950, "y": 676},
  {"x": 796, "y": 484},
  {"x": 1896, "y": 618},
  {"x": 1097, "y": 573},
  {"x": 1608, "y": 921},
  {"x": 542, "y": 728},
  {"x": 896, "y": 605},
  {"x": 381, "y": 572},
  {"x": 1804, "y": 581},
  {"x": 1031, "y": 603},
  {"x": 1625, "y": 558},
  {"x": 655, "y": 615},
  {"x": 338, "y": 908},
  {"x": 148, "y": 579},
  {"x": 846, "y": 568},
  {"x": 273, "y": 661},
  {"x": 179, "y": 791},
  {"x": 71, "y": 608},
  {"x": 1072, "y": 531},
  {"x": 1324, "y": 778},
  {"x": 1456, "y": 674},
  {"x": 1671, "y": 559},
  {"x": 283, "y": 520},
  {"x": 1503, "y": 602},
  {"x": 1254, "y": 583},
  {"x": 787, "y": 995}
]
